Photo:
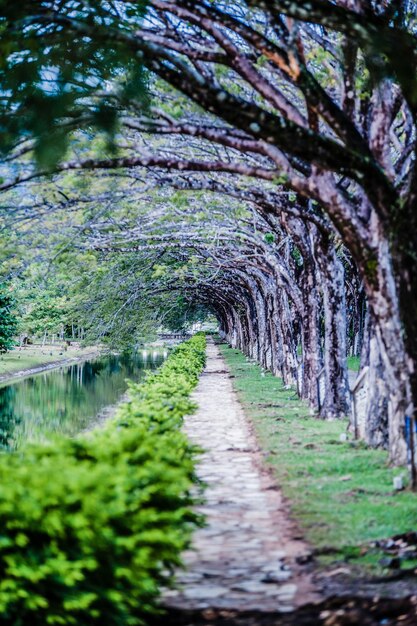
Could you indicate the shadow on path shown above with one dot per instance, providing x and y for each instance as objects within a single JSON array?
[{"x": 332, "y": 612}]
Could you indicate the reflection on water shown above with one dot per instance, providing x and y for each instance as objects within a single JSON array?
[{"x": 66, "y": 400}]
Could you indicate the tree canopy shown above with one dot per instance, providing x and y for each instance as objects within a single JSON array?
[
  {"x": 47, "y": 76},
  {"x": 304, "y": 112}
]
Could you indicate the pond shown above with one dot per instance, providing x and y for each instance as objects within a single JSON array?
[{"x": 67, "y": 399}]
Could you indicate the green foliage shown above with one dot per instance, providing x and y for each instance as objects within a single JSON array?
[
  {"x": 120, "y": 298},
  {"x": 92, "y": 527},
  {"x": 50, "y": 292},
  {"x": 44, "y": 311},
  {"x": 8, "y": 320},
  {"x": 51, "y": 82},
  {"x": 164, "y": 400},
  {"x": 269, "y": 237}
]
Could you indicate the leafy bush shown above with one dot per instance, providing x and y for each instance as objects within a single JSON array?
[
  {"x": 8, "y": 320},
  {"x": 91, "y": 528}
]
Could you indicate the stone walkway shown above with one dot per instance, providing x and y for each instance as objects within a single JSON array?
[{"x": 245, "y": 558}]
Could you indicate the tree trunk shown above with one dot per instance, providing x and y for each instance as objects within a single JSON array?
[
  {"x": 310, "y": 335},
  {"x": 289, "y": 346},
  {"x": 387, "y": 322},
  {"x": 337, "y": 396},
  {"x": 404, "y": 253}
]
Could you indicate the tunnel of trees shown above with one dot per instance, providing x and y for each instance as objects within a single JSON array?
[{"x": 253, "y": 159}]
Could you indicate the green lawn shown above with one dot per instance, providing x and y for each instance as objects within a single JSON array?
[
  {"x": 354, "y": 363},
  {"x": 33, "y": 356},
  {"x": 340, "y": 493}
]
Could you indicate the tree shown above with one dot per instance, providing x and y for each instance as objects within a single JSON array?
[
  {"x": 275, "y": 282},
  {"x": 8, "y": 320},
  {"x": 341, "y": 138}
]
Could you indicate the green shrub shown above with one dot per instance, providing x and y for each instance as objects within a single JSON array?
[{"x": 91, "y": 528}]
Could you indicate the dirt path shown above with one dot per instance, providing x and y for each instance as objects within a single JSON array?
[{"x": 245, "y": 558}]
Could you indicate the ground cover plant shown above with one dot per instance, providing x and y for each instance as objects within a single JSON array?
[
  {"x": 341, "y": 492},
  {"x": 92, "y": 527}
]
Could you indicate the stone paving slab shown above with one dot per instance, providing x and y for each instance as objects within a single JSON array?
[{"x": 245, "y": 557}]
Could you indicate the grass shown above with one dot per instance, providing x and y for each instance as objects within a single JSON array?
[
  {"x": 341, "y": 493},
  {"x": 33, "y": 356},
  {"x": 354, "y": 363}
]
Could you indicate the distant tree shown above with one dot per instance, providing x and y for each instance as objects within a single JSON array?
[{"x": 8, "y": 320}]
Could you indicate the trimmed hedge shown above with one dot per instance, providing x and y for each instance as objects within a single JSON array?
[{"x": 92, "y": 527}]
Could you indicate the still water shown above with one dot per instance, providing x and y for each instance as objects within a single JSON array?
[{"x": 67, "y": 399}]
